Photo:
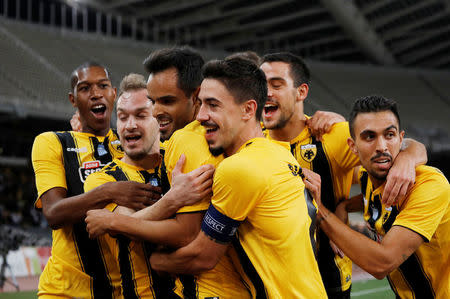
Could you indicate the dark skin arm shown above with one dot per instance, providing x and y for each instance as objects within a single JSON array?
[{"x": 60, "y": 210}]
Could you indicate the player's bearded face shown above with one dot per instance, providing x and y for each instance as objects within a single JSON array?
[
  {"x": 220, "y": 116},
  {"x": 281, "y": 97},
  {"x": 137, "y": 128},
  {"x": 377, "y": 142}
]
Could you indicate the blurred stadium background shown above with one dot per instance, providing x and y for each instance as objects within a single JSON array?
[{"x": 396, "y": 48}]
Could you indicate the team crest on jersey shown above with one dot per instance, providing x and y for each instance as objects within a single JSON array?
[
  {"x": 116, "y": 145},
  {"x": 308, "y": 152},
  {"x": 89, "y": 167}
]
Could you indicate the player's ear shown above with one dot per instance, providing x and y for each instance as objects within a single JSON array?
[
  {"x": 302, "y": 92},
  {"x": 351, "y": 145},
  {"x": 72, "y": 99},
  {"x": 249, "y": 109}
]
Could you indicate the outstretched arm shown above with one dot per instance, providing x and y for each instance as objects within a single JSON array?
[{"x": 322, "y": 121}]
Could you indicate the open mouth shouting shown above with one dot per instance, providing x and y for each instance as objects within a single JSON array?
[
  {"x": 132, "y": 139},
  {"x": 270, "y": 109},
  {"x": 99, "y": 110}
]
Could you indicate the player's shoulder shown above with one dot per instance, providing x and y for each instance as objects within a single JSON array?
[
  {"x": 425, "y": 173},
  {"x": 338, "y": 131}
]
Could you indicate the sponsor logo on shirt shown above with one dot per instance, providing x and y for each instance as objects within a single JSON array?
[
  {"x": 89, "y": 167},
  {"x": 77, "y": 150}
]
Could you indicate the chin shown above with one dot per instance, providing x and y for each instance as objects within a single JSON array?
[{"x": 216, "y": 151}]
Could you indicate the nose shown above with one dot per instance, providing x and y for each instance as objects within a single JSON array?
[
  {"x": 131, "y": 124},
  {"x": 95, "y": 91},
  {"x": 381, "y": 145},
  {"x": 202, "y": 114}
]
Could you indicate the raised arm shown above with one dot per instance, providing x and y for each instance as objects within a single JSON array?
[{"x": 322, "y": 121}]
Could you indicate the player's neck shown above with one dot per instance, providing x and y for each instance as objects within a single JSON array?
[
  {"x": 292, "y": 129},
  {"x": 249, "y": 131},
  {"x": 150, "y": 161},
  {"x": 100, "y": 132}
]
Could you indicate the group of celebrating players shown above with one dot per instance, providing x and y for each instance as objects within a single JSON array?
[{"x": 217, "y": 185}]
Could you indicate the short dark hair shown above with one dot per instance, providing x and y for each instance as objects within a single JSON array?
[
  {"x": 243, "y": 79},
  {"x": 298, "y": 69},
  {"x": 89, "y": 64},
  {"x": 185, "y": 60},
  {"x": 250, "y": 55},
  {"x": 372, "y": 103}
]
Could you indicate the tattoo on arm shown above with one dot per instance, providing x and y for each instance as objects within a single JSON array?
[{"x": 323, "y": 217}]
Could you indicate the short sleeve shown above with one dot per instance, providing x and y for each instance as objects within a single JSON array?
[
  {"x": 423, "y": 209},
  {"x": 193, "y": 145},
  {"x": 238, "y": 186},
  {"x": 338, "y": 147},
  {"x": 97, "y": 179},
  {"x": 48, "y": 164}
]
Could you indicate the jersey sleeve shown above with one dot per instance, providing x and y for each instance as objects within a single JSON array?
[
  {"x": 48, "y": 164},
  {"x": 423, "y": 209},
  {"x": 195, "y": 148},
  {"x": 237, "y": 189},
  {"x": 338, "y": 147},
  {"x": 97, "y": 179}
]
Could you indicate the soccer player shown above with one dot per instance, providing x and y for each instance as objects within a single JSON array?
[
  {"x": 139, "y": 135},
  {"x": 413, "y": 236},
  {"x": 258, "y": 199},
  {"x": 173, "y": 85},
  {"x": 62, "y": 161},
  {"x": 329, "y": 156}
]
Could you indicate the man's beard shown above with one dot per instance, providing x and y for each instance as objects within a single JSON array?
[
  {"x": 137, "y": 156},
  {"x": 216, "y": 151}
]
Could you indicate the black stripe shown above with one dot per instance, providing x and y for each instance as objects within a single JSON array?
[
  {"x": 417, "y": 279},
  {"x": 363, "y": 182},
  {"x": 250, "y": 270},
  {"x": 190, "y": 290},
  {"x": 126, "y": 271},
  {"x": 312, "y": 212},
  {"x": 116, "y": 172},
  {"x": 388, "y": 223},
  {"x": 329, "y": 271},
  {"x": 374, "y": 205},
  {"x": 89, "y": 250},
  {"x": 163, "y": 287},
  {"x": 165, "y": 185},
  {"x": 104, "y": 157}
]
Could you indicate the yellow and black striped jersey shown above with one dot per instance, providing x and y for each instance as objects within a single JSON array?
[
  {"x": 65, "y": 159},
  {"x": 333, "y": 160},
  {"x": 136, "y": 277},
  {"x": 426, "y": 211}
]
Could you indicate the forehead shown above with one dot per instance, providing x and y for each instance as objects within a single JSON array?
[
  {"x": 276, "y": 69},
  {"x": 93, "y": 73},
  {"x": 374, "y": 121},
  {"x": 212, "y": 88},
  {"x": 135, "y": 99},
  {"x": 163, "y": 82}
]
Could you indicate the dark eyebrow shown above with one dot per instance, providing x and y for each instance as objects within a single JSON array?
[
  {"x": 276, "y": 79},
  {"x": 99, "y": 81},
  {"x": 391, "y": 127}
]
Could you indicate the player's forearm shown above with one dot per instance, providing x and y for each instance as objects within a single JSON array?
[
  {"x": 414, "y": 151},
  {"x": 168, "y": 232},
  {"x": 186, "y": 260},
  {"x": 354, "y": 203},
  {"x": 164, "y": 208},
  {"x": 60, "y": 210},
  {"x": 366, "y": 253}
]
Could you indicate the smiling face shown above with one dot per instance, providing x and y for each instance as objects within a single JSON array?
[
  {"x": 377, "y": 142},
  {"x": 94, "y": 97},
  {"x": 221, "y": 116},
  {"x": 282, "y": 95},
  {"x": 137, "y": 128},
  {"x": 171, "y": 107}
]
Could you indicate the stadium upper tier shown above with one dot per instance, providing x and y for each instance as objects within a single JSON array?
[{"x": 36, "y": 62}]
